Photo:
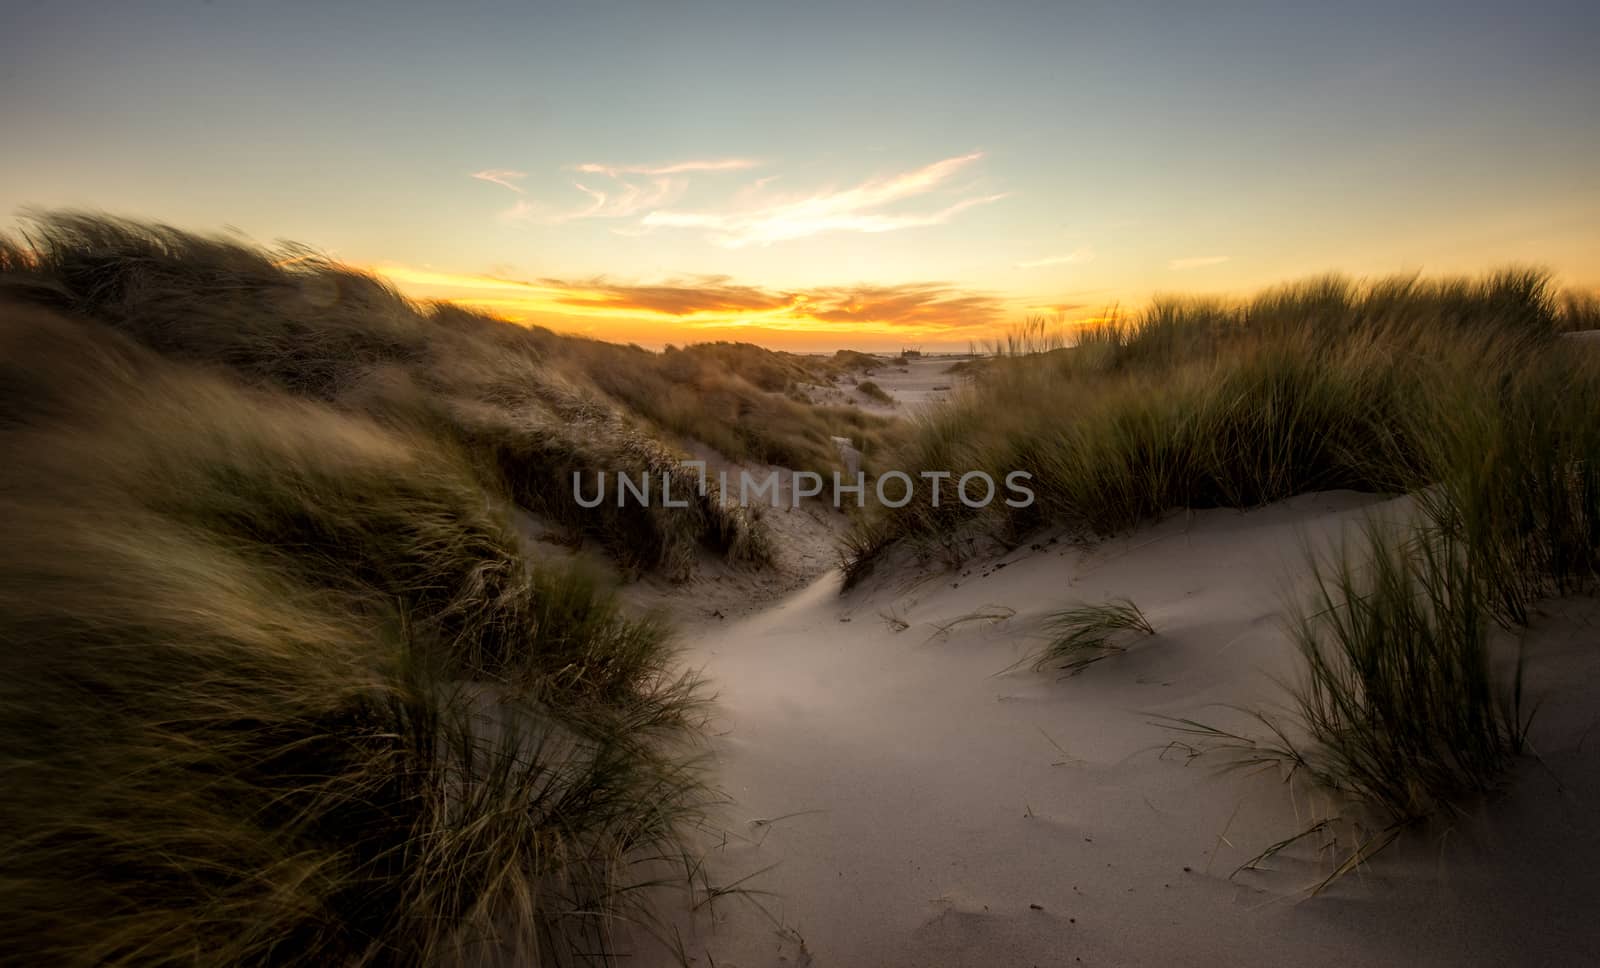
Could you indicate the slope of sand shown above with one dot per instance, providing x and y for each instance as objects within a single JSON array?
[{"x": 909, "y": 804}]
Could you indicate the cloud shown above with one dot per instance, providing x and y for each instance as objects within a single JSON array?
[
  {"x": 1197, "y": 262},
  {"x": 1075, "y": 257},
  {"x": 927, "y": 305},
  {"x": 622, "y": 200},
  {"x": 627, "y": 199},
  {"x": 504, "y": 177},
  {"x": 717, "y": 301},
  {"x": 928, "y": 309},
  {"x": 676, "y": 168},
  {"x": 625, "y": 191},
  {"x": 754, "y": 214},
  {"x": 759, "y": 219},
  {"x": 705, "y": 294}
]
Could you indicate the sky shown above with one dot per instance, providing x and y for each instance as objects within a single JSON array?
[{"x": 812, "y": 175}]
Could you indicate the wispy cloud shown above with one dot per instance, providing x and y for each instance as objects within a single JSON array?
[
  {"x": 623, "y": 191},
  {"x": 504, "y": 177},
  {"x": 622, "y": 200},
  {"x": 675, "y": 168},
  {"x": 1075, "y": 257},
  {"x": 754, "y": 214},
  {"x": 1197, "y": 262},
  {"x": 757, "y": 218}
]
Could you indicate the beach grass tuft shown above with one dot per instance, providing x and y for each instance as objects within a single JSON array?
[{"x": 1084, "y": 634}]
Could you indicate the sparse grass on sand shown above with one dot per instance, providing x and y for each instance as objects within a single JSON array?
[{"x": 279, "y": 685}]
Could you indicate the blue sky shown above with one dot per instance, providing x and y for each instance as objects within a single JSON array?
[{"x": 844, "y": 173}]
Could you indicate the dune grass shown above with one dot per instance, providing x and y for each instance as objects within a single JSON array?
[
  {"x": 1195, "y": 404},
  {"x": 527, "y": 406},
  {"x": 1033, "y": 336},
  {"x": 1400, "y": 711},
  {"x": 280, "y": 685},
  {"x": 1398, "y": 691},
  {"x": 1516, "y": 481},
  {"x": 744, "y": 401},
  {"x": 1084, "y": 634},
  {"x": 1409, "y": 703},
  {"x": 281, "y": 682},
  {"x": 1462, "y": 393},
  {"x": 735, "y": 398}
]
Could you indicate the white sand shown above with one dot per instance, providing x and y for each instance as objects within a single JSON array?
[{"x": 941, "y": 815}]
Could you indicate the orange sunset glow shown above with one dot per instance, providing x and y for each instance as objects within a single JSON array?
[{"x": 716, "y": 308}]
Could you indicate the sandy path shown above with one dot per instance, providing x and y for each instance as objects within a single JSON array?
[
  {"x": 915, "y": 385},
  {"x": 936, "y": 814}
]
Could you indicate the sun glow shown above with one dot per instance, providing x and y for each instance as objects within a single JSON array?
[{"x": 713, "y": 307}]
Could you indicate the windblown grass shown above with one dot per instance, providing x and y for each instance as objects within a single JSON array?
[
  {"x": 1084, "y": 634},
  {"x": 279, "y": 684},
  {"x": 1034, "y": 335},
  {"x": 720, "y": 394},
  {"x": 1516, "y": 472},
  {"x": 1399, "y": 709},
  {"x": 526, "y": 406},
  {"x": 1398, "y": 691},
  {"x": 1201, "y": 404}
]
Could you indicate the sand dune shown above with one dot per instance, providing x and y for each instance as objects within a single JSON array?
[
  {"x": 918, "y": 806},
  {"x": 311, "y": 568}
]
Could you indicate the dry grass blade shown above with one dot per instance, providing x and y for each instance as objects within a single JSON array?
[
  {"x": 988, "y": 615},
  {"x": 1085, "y": 634}
]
